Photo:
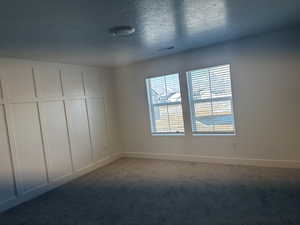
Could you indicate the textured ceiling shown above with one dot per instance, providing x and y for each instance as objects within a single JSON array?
[{"x": 76, "y": 31}]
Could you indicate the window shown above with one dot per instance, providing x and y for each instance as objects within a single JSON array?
[
  {"x": 210, "y": 99},
  {"x": 165, "y": 108}
]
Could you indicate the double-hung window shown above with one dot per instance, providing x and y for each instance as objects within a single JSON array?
[
  {"x": 210, "y": 98},
  {"x": 164, "y": 99}
]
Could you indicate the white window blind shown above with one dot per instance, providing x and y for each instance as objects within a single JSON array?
[
  {"x": 210, "y": 99},
  {"x": 165, "y": 107}
]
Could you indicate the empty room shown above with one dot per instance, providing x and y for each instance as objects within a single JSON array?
[{"x": 150, "y": 112}]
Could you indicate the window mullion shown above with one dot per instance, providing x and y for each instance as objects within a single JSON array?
[
  {"x": 167, "y": 103},
  {"x": 192, "y": 102}
]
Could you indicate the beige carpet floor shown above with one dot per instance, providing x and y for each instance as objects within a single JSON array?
[{"x": 154, "y": 192}]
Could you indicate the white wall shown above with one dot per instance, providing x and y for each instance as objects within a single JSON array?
[
  {"x": 56, "y": 122},
  {"x": 266, "y": 89}
]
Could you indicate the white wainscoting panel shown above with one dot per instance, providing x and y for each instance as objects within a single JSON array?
[
  {"x": 48, "y": 81},
  {"x": 96, "y": 112},
  {"x": 47, "y": 134},
  {"x": 28, "y": 145},
  {"x": 72, "y": 81},
  {"x": 7, "y": 188},
  {"x": 18, "y": 81},
  {"x": 93, "y": 84},
  {"x": 54, "y": 127},
  {"x": 79, "y": 133}
]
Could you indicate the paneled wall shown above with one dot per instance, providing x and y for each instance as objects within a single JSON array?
[{"x": 56, "y": 123}]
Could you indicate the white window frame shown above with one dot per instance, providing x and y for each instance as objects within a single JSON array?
[
  {"x": 191, "y": 103},
  {"x": 151, "y": 106}
]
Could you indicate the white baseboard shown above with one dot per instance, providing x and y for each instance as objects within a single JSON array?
[
  {"x": 48, "y": 187},
  {"x": 212, "y": 159}
]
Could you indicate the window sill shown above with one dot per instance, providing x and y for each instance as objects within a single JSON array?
[
  {"x": 215, "y": 134},
  {"x": 168, "y": 134}
]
